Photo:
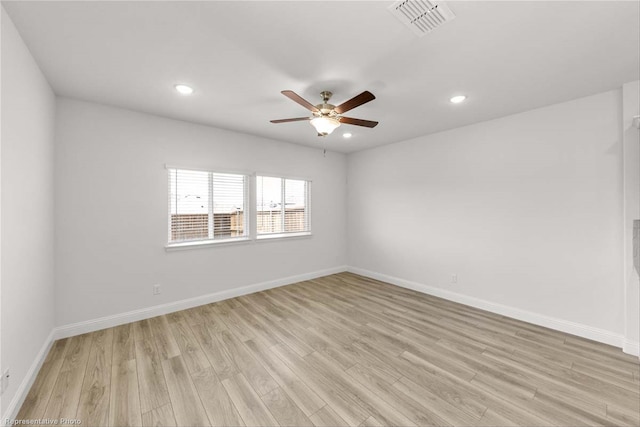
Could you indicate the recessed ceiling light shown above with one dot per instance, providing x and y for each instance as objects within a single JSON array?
[
  {"x": 458, "y": 99},
  {"x": 347, "y": 135},
  {"x": 184, "y": 89}
]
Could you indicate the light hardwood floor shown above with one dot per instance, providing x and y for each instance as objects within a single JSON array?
[{"x": 340, "y": 350}]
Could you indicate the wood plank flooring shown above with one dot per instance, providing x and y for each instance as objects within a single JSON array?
[{"x": 336, "y": 351}]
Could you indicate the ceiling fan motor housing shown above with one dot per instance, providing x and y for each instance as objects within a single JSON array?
[{"x": 326, "y": 109}]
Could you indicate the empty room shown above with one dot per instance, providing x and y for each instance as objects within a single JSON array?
[{"x": 320, "y": 213}]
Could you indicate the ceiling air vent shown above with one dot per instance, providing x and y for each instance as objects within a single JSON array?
[{"x": 421, "y": 16}]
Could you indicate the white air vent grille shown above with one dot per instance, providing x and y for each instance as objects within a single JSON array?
[{"x": 421, "y": 16}]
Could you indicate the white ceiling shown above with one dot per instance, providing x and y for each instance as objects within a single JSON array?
[{"x": 507, "y": 56}]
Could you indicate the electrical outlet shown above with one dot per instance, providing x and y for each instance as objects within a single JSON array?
[
  {"x": 4, "y": 381},
  {"x": 156, "y": 289},
  {"x": 454, "y": 278}
]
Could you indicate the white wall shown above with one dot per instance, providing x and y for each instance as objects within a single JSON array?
[
  {"x": 27, "y": 209},
  {"x": 631, "y": 166},
  {"x": 525, "y": 209},
  {"x": 111, "y": 211}
]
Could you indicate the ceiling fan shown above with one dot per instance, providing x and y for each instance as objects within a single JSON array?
[{"x": 327, "y": 117}]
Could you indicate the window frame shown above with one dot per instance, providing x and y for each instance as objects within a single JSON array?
[
  {"x": 200, "y": 243},
  {"x": 307, "y": 205}
]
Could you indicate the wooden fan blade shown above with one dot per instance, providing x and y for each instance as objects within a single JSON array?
[
  {"x": 354, "y": 102},
  {"x": 300, "y": 100},
  {"x": 358, "y": 122},
  {"x": 297, "y": 119}
]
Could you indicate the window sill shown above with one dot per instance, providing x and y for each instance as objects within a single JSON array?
[
  {"x": 198, "y": 244},
  {"x": 279, "y": 236}
]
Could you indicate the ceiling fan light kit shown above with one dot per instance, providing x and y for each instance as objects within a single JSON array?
[
  {"x": 325, "y": 125},
  {"x": 327, "y": 117}
]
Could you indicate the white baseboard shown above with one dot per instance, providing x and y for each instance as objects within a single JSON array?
[
  {"x": 585, "y": 331},
  {"x": 631, "y": 347},
  {"x": 21, "y": 393},
  {"x": 158, "y": 310}
]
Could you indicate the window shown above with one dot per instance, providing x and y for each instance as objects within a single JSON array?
[
  {"x": 282, "y": 206},
  {"x": 206, "y": 206}
]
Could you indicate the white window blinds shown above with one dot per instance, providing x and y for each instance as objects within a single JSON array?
[
  {"x": 282, "y": 206},
  {"x": 206, "y": 205}
]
